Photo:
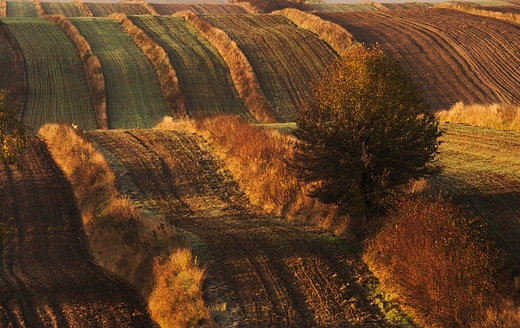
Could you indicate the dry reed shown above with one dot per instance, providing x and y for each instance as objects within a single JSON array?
[
  {"x": 92, "y": 67},
  {"x": 121, "y": 238},
  {"x": 3, "y": 8},
  {"x": 84, "y": 8},
  {"x": 168, "y": 80},
  {"x": 242, "y": 72},
  {"x": 495, "y": 116},
  {"x": 336, "y": 36},
  {"x": 39, "y": 8}
]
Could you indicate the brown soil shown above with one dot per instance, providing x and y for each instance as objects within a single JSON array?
[
  {"x": 47, "y": 277},
  {"x": 268, "y": 272},
  {"x": 455, "y": 56}
]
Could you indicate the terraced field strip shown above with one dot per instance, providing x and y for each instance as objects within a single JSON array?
[
  {"x": 21, "y": 9},
  {"x": 12, "y": 71},
  {"x": 482, "y": 170},
  {"x": 203, "y": 75},
  {"x": 132, "y": 89},
  {"x": 47, "y": 278},
  {"x": 262, "y": 271},
  {"x": 477, "y": 57},
  {"x": 203, "y": 8},
  {"x": 67, "y": 9},
  {"x": 105, "y": 9},
  {"x": 285, "y": 58},
  {"x": 56, "y": 84},
  {"x": 342, "y": 7}
]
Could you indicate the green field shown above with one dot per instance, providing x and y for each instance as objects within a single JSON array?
[
  {"x": 203, "y": 75},
  {"x": 67, "y": 9},
  {"x": 133, "y": 93},
  {"x": 482, "y": 170},
  {"x": 285, "y": 58},
  {"x": 21, "y": 9},
  {"x": 56, "y": 85},
  {"x": 105, "y": 9}
]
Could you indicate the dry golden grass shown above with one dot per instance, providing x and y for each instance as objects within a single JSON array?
[
  {"x": 92, "y": 67},
  {"x": 495, "y": 116},
  {"x": 168, "y": 80},
  {"x": 336, "y": 36},
  {"x": 122, "y": 239},
  {"x": 177, "y": 273},
  {"x": 472, "y": 9},
  {"x": 258, "y": 158},
  {"x": 145, "y": 4},
  {"x": 242, "y": 73},
  {"x": 3, "y": 8},
  {"x": 84, "y": 8},
  {"x": 443, "y": 267},
  {"x": 39, "y": 7}
]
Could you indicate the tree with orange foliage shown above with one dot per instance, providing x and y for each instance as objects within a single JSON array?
[{"x": 364, "y": 133}]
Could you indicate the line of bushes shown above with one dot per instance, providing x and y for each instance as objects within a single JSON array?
[
  {"x": 92, "y": 67},
  {"x": 168, "y": 80},
  {"x": 84, "y": 8},
  {"x": 494, "y": 116},
  {"x": 473, "y": 9},
  {"x": 148, "y": 254},
  {"x": 336, "y": 36},
  {"x": 3, "y": 8},
  {"x": 242, "y": 72}
]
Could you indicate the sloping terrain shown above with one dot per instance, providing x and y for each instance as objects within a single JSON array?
[
  {"x": 56, "y": 84},
  {"x": 203, "y": 75},
  {"x": 67, "y": 9},
  {"x": 133, "y": 93},
  {"x": 203, "y": 8},
  {"x": 455, "y": 56},
  {"x": 286, "y": 59},
  {"x": 481, "y": 170},
  {"x": 105, "y": 9},
  {"x": 21, "y": 9},
  {"x": 47, "y": 278},
  {"x": 264, "y": 271}
]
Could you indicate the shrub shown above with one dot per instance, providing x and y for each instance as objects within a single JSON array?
[{"x": 441, "y": 265}]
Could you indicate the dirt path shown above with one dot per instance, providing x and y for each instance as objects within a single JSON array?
[
  {"x": 47, "y": 277},
  {"x": 263, "y": 270}
]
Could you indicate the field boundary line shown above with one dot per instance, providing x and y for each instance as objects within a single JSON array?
[
  {"x": 92, "y": 67},
  {"x": 168, "y": 80},
  {"x": 242, "y": 72},
  {"x": 335, "y": 35}
]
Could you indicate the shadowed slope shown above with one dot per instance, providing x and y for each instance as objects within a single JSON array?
[{"x": 47, "y": 277}]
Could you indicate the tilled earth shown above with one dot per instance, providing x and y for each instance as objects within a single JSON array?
[
  {"x": 47, "y": 277},
  {"x": 262, "y": 271}
]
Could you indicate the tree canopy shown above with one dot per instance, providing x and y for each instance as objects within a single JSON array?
[{"x": 364, "y": 133}]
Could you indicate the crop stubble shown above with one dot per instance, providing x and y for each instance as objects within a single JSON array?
[
  {"x": 47, "y": 277},
  {"x": 268, "y": 271},
  {"x": 203, "y": 75},
  {"x": 285, "y": 58},
  {"x": 132, "y": 89},
  {"x": 481, "y": 170},
  {"x": 477, "y": 57}
]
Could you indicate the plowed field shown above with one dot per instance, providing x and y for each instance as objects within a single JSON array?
[
  {"x": 285, "y": 58},
  {"x": 267, "y": 271},
  {"x": 455, "y": 56},
  {"x": 47, "y": 278}
]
